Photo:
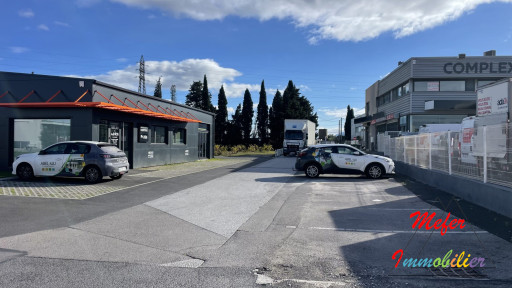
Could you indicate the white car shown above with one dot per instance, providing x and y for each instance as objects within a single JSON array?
[
  {"x": 342, "y": 159},
  {"x": 88, "y": 159}
]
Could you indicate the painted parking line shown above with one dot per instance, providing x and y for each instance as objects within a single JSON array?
[{"x": 78, "y": 191}]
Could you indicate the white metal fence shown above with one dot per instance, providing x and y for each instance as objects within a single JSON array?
[{"x": 481, "y": 153}]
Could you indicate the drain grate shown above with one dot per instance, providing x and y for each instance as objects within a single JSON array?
[{"x": 468, "y": 273}]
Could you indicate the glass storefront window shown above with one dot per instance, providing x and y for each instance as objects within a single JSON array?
[
  {"x": 452, "y": 86},
  {"x": 32, "y": 135},
  {"x": 418, "y": 120}
]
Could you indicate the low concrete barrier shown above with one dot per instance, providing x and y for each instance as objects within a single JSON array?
[{"x": 493, "y": 197}]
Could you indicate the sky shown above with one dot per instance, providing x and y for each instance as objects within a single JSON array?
[{"x": 332, "y": 50}]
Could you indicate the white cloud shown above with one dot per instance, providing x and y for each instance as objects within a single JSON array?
[
  {"x": 342, "y": 20},
  {"x": 18, "y": 49},
  {"x": 237, "y": 90},
  {"x": 341, "y": 112},
  {"x": 231, "y": 111},
  {"x": 43, "y": 27},
  {"x": 26, "y": 13},
  {"x": 63, "y": 24},
  {"x": 181, "y": 74},
  {"x": 122, "y": 60}
]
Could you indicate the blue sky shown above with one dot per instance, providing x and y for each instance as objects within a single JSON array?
[{"x": 332, "y": 50}]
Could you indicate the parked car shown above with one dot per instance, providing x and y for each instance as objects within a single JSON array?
[
  {"x": 88, "y": 159},
  {"x": 342, "y": 159}
]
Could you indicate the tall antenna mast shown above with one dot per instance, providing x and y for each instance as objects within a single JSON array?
[{"x": 142, "y": 78}]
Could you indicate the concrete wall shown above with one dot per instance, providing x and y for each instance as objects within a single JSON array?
[{"x": 493, "y": 197}]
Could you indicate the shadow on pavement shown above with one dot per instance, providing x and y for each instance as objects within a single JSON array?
[{"x": 484, "y": 218}]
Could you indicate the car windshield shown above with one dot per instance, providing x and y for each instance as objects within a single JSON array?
[{"x": 293, "y": 135}]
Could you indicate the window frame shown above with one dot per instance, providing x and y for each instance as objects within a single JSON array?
[
  {"x": 183, "y": 138},
  {"x": 155, "y": 139}
]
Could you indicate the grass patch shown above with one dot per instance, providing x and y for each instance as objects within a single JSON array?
[{"x": 263, "y": 153}]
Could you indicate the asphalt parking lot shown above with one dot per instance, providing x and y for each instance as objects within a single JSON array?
[
  {"x": 76, "y": 188},
  {"x": 247, "y": 224}
]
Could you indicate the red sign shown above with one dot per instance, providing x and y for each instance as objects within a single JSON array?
[
  {"x": 390, "y": 116},
  {"x": 373, "y": 122},
  {"x": 466, "y": 135}
]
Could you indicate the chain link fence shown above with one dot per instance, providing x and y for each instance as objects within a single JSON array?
[{"x": 481, "y": 153}]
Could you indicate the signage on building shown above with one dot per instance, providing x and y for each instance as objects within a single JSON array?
[
  {"x": 429, "y": 105},
  {"x": 151, "y": 155},
  {"x": 492, "y": 100},
  {"x": 477, "y": 67},
  {"x": 143, "y": 134},
  {"x": 114, "y": 133},
  {"x": 373, "y": 122},
  {"x": 390, "y": 117},
  {"x": 433, "y": 86}
]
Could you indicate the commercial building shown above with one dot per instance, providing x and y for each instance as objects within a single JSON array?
[
  {"x": 426, "y": 90},
  {"x": 38, "y": 110}
]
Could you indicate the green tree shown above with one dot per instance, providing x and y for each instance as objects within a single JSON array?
[
  {"x": 247, "y": 114},
  {"x": 158, "y": 88},
  {"x": 193, "y": 98},
  {"x": 235, "y": 127},
  {"x": 348, "y": 123},
  {"x": 206, "y": 97},
  {"x": 221, "y": 117},
  {"x": 262, "y": 116},
  {"x": 276, "y": 121}
]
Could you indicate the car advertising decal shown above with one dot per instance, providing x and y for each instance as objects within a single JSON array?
[{"x": 73, "y": 165}]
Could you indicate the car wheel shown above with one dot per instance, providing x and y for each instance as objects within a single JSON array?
[
  {"x": 116, "y": 177},
  {"x": 93, "y": 175},
  {"x": 312, "y": 170},
  {"x": 374, "y": 171},
  {"x": 25, "y": 172}
]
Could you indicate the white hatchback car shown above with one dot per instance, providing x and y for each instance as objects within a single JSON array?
[{"x": 88, "y": 159}]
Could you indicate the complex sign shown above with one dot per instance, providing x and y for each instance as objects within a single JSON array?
[{"x": 477, "y": 67}]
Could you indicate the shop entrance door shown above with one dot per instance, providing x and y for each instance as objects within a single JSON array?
[
  {"x": 203, "y": 143},
  {"x": 119, "y": 134}
]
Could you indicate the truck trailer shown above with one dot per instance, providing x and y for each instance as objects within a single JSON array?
[{"x": 298, "y": 134}]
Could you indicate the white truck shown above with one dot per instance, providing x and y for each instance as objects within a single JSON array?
[
  {"x": 493, "y": 113},
  {"x": 298, "y": 134}
]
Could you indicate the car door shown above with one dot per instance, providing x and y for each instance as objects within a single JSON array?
[
  {"x": 323, "y": 156},
  {"x": 50, "y": 161},
  {"x": 75, "y": 162},
  {"x": 346, "y": 159}
]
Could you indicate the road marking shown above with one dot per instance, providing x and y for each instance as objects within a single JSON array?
[{"x": 390, "y": 231}]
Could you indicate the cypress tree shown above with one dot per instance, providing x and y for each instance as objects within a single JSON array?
[
  {"x": 206, "y": 97},
  {"x": 247, "y": 114},
  {"x": 221, "y": 117},
  {"x": 262, "y": 117},
  {"x": 348, "y": 123},
  {"x": 276, "y": 121}
]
